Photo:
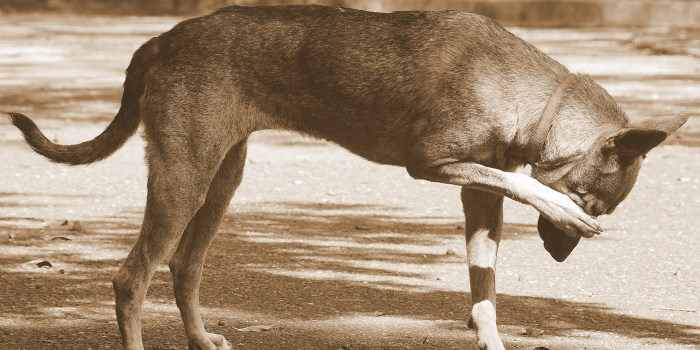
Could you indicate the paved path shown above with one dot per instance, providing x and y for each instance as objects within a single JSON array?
[{"x": 318, "y": 242}]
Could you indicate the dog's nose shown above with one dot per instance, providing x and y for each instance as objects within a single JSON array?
[
  {"x": 600, "y": 209},
  {"x": 595, "y": 208},
  {"x": 590, "y": 206}
]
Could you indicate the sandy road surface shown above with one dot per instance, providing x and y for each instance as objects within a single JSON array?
[{"x": 329, "y": 250}]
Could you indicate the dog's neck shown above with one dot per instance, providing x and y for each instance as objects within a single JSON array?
[
  {"x": 543, "y": 126},
  {"x": 574, "y": 119}
]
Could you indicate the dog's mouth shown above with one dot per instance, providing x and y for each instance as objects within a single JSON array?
[
  {"x": 593, "y": 208},
  {"x": 596, "y": 207},
  {"x": 588, "y": 202}
]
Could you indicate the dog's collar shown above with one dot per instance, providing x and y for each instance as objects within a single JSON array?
[{"x": 544, "y": 125}]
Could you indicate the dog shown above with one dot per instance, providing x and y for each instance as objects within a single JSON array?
[{"x": 451, "y": 96}]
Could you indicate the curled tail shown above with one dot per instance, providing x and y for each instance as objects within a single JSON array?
[{"x": 117, "y": 132}]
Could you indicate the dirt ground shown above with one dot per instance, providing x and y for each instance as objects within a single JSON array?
[{"x": 326, "y": 250}]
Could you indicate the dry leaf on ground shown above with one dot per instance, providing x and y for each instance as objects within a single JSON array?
[{"x": 257, "y": 328}]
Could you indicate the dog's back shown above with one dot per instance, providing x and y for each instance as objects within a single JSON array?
[{"x": 357, "y": 78}]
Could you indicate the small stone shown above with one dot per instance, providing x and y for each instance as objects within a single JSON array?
[
  {"x": 221, "y": 323},
  {"x": 450, "y": 252}
]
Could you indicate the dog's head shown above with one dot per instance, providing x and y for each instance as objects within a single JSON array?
[{"x": 599, "y": 179}]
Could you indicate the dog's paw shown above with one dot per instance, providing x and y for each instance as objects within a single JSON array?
[
  {"x": 212, "y": 342},
  {"x": 220, "y": 342},
  {"x": 486, "y": 345},
  {"x": 566, "y": 215},
  {"x": 484, "y": 322}
]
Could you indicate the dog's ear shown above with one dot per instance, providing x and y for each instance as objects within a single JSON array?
[
  {"x": 667, "y": 124},
  {"x": 630, "y": 143},
  {"x": 637, "y": 140}
]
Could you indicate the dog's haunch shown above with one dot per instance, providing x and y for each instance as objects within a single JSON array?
[{"x": 556, "y": 242}]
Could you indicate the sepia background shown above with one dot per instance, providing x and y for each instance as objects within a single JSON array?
[
  {"x": 321, "y": 249},
  {"x": 538, "y": 13}
]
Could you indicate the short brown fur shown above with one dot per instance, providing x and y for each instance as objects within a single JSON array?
[{"x": 451, "y": 96}]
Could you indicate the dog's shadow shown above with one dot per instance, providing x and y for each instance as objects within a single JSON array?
[
  {"x": 325, "y": 262},
  {"x": 322, "y": 275}
]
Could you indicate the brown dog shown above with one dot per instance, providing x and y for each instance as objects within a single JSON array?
[{"x": 451, "y": 96}]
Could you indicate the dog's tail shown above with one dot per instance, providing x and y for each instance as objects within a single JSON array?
[{"x": 122, "y": 127}]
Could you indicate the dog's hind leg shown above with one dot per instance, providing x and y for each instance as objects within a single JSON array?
[
  {"x": 178, "y": 180},
  {"x": 483, "y": 213},
  {"x": 186, "y": 263}
]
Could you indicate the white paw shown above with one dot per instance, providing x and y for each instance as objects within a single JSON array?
[
  {"x": 219, "y": 340},
  {"x": 559, "y": 209},
  {"x": 210, "y": 342}
]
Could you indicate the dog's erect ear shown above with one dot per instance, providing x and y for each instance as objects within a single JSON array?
[
  {"x": 635, "y": 141},
  {"x": 630, "y": 143},
  {"x": 667, "y": 124}
]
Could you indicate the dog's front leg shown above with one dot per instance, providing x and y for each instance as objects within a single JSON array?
[
  {"x": 555, "y": 206},
  {"x": 483, "y": 214}
]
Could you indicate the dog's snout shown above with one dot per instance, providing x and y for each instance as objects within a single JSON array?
[
  {"x": 595, "y": 208},
  {"x": 611, "y": 209},
  {"x": 601, "y": 209}
]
